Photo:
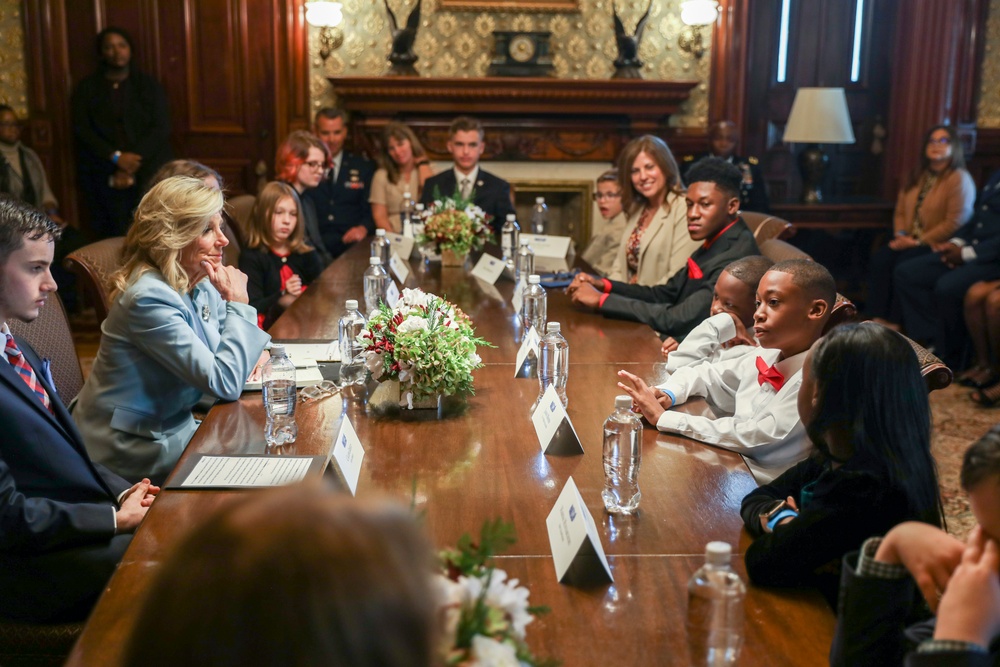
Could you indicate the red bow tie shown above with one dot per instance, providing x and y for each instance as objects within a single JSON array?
[
  {"x": 694, "y": 271},
  {"x": 769, "y": 374}
]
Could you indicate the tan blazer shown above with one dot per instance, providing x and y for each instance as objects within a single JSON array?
[
  {"x": 665, "y": 245},
  {"x": 946, "y": 207},
  {"x": 602, "y": 250}
]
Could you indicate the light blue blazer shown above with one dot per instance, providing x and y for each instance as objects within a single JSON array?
[{"x": 160, "y": 351}]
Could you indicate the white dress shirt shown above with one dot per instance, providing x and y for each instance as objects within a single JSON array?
[
  {"x": 704, "y": 344},
  {"x": 758, "y": 422},
  {"x": 471, "y": 176},
  {"x": 335, "y": 163}
]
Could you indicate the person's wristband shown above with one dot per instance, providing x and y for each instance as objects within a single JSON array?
[
  {"x": 783, "y": 514},
  {"x": 116, "y": 156}
]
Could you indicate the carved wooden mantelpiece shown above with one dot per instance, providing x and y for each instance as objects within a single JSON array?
[{"x": 525, "y": 118}]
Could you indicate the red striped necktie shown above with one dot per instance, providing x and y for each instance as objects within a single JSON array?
[{"x": 19, "y": 364}]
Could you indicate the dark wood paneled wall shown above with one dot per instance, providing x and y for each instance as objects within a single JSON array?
[{"x": 235, "y": 71}]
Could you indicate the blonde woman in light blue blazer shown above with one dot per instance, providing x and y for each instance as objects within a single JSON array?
[{"x": 179, "y": 327}]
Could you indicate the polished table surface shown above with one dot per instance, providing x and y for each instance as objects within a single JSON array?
[{"x": 480, "y": 459}]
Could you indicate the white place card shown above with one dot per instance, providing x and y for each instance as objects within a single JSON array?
[
  {"x": 527, "y": 351},
  {"x": 577, "y": 552},
  {"x": 555, "y": 431},
  {"x": 517, "y": 300},
  {"x": 488, "y": 268},
  {"x": 399, "y": 244},
  {"x": 391, "y": 294},
  {"x": 399, "y": 268},
  {"x": 348, "y": 453},
  {"x": 555, "y": 247}
]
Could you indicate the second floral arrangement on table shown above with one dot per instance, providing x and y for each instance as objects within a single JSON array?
[
  {"x": 455, "y": 224},
  {"x": 425, "y": 343},
  {"x": 485, "y": 612}
]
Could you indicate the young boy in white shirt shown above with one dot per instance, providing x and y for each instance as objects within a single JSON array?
[
  {"x": 723, "y": 334},
  {"x": 756, "y": 392}
]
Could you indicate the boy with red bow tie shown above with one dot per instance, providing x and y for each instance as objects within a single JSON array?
[
  {"x": 756, "y": 392},
  {"x": 681, "y": 303}
]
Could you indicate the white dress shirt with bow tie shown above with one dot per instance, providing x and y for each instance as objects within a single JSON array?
[{"x": 756, "y": 420}]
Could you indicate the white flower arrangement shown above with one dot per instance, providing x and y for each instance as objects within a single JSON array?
[
  {"x": 485, "y": 613},
  {"x": 426, "y": 343}
]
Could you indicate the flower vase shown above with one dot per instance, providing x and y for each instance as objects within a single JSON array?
[
  {"x": 386, "y": 395},
  {"x": 451, "y": 258}
]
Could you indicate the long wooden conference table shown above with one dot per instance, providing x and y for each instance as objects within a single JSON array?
[{"x": 480, "y": 459}]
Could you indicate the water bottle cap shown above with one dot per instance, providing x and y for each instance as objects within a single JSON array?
[
  {"x": 277, "y": 350},
  {"x": 623, "y": 401},
  {"x": 407, "y": 195},
  {"x": 534, "y": 279},
  {"x": 373, "y": 261},
  {"x": 419, "y": 207},
  {"x": 553, "y": 327},
  {"x": 718, "y": 553},
  {"x": 352, "y": 304},
  {"x": 511, "y": 217},
  {"x": 379, "y": 232},
  {"x": 539, "y": 200}
]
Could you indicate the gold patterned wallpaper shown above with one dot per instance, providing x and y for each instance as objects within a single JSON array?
[
  {"x": 988, "y": 114},
  {"x": 13, "y": 75},
  {"x": 460, "y": 44}
]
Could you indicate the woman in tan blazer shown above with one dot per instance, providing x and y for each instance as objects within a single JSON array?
[
  {"x": 655, "y": 243},
  {"x": 935, "y": 200}
]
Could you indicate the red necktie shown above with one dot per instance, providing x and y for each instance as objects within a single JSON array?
[
  {"x": 769, "y": 374},
  {"x": 694, "y": 271},
  {"x": 17, "y": 361}
]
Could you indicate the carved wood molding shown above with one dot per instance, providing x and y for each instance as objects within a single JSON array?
[{"x": 524, "y": 118}]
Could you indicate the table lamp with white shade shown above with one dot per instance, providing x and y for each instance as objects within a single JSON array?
[{"x": 819, "y": 116}]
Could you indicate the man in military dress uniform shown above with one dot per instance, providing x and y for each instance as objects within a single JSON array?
[
  {"x": 722, "y": 141},
  {"x": 341, "y": 198}
]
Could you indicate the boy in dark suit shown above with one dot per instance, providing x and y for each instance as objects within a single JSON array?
[
  {"x": 341, "y": 198},
  {"x": 679, "y": 305},
  {"x": 64, "y": 521},
  {"x": 488, "y": 192}
]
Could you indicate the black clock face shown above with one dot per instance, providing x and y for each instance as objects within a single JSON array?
[{"x": 521, "y": 48}]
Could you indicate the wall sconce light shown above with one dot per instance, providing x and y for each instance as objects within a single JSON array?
[
  {"x": 326, "y": 16},
  {"x": 696, "y": 14}
]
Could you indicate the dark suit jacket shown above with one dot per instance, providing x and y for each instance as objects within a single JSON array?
[
  {"x": 56, "y": 506},
  {"x": 490, "y": 193},
  {"x": 872, "y": 626},
  {"x": 344, "y": 204},
  {"x": 982, "y": 231},
  {"x": 677, "y": 306}
]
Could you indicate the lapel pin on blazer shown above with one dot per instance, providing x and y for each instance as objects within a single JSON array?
[{"x": 206, "y": 312}]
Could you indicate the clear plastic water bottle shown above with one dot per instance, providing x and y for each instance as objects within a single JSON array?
[
  {"x": 534, "y": 305},
  {"x": 715, "y": 609},
  {"x": 380, "y": 247},
  {"x": 279, "y": 398},
  {"x": 376, "y": 284},
  {"x": 406, "y": 215},
  {"x": 418, "y": 218},
  {"x": 510, "y": 233},
  {"x": 622, "y": 456},
  {"x": 553, "y": 362},
  {"x": 352, "y": 353},
  {"x": 539, "y": 216},
  {"x": 524, "y": 264}
]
